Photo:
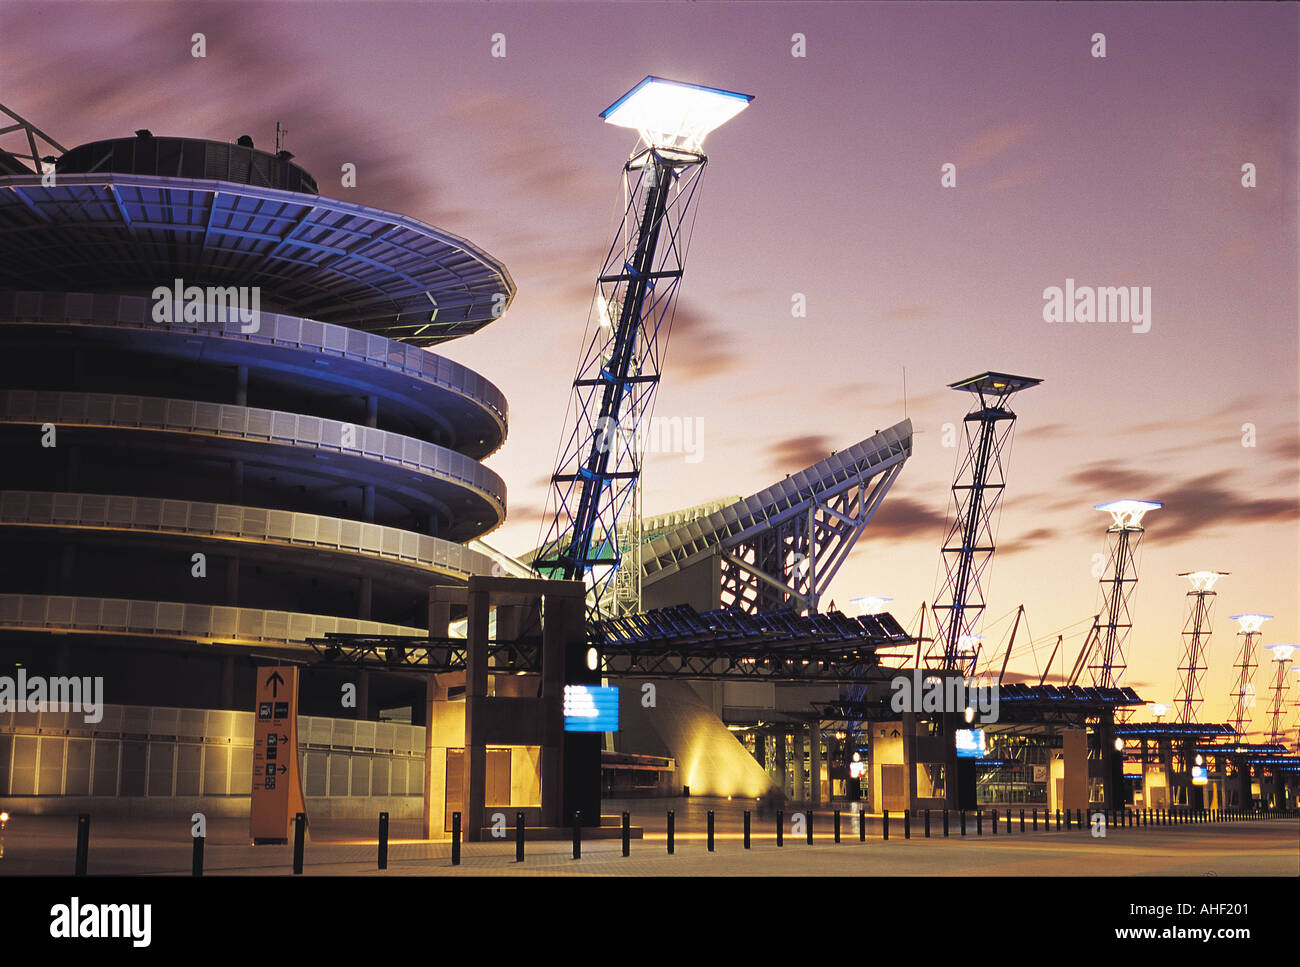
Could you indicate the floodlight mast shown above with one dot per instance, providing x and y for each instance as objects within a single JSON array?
[
  {"x": 1117, "y": 583},
  {"x": 1281, "y": 658},
  {"x": 1196, "y": 641},
  {"x": 977, "y": 488},
  {"x": 596, "y": 481},
  {"x": 1243, "y": 699}
]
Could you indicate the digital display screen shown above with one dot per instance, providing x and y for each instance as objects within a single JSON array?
[
  {"x": 1199, "y": 776},
  {"x": 970, "y": 743},
  {"x": 590, "y": 708}
]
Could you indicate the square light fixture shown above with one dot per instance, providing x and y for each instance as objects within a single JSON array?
[{"x": 672, "y": 114}]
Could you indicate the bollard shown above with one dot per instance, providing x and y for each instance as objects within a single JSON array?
[
  {"x": 519, "y": 835},
  {"x": 1035, "y": 825},
  {"x": 577, "y": 834},
  {"x": 837, "y": 825},
  {"x": 885, "y": 826},
  {"x": 710, "y": 830},
  {"x": 907, "y": 824},
  {"x": 746, "y": 829},
  {"x": 945, "y": 823},
  {"x": 455, "y": 839},
  {"x": 671, "y": 822},
  {"x": 862, "y": 826},
  {"x": 627, "y": 834},
  {"x": 83, "y": 842},
  {"x": 196, "y": 864},
  {"x": 979, "y": 822},
  {"x": 963, "y": 822},
  {"x": 995, "y": 822},
  {"x": 1058, "y": 820},
  {"x": 809, "y": 829},
  {"x": 1022, "y": 820},
  {"x": 1078, "y": 815},
  {"x": 383, "y": 841},
  {"x": 927, "y": 824},
  {"x": 780, "y": 830},
  {"x": 1067, "y": 821},
  {"x": 299, "y": 828},
  {"x": 1008, "y": 820}
]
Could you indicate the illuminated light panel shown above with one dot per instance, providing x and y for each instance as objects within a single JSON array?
[
  {"x": 1251, "y": 622},
  {"x": 1128, "y": 513},
  {"x": 671, "y": 114},
  {"x": 1203, "y": 580},
  {"x": 1281, "y": 652},
  {"x": 1158, "y": 710},
  {"x": 870, "y": 603}
]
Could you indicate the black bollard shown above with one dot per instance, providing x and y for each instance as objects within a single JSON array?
[
  {"x": 1067, "y": 820},
  {"x": 1022, "y": 820},
  {"x": 979, "y": 822},
  {"x": 809, "y": 829},
  {"x": 907, "y": 824},
  {"x": 83, "y": 843},
  {"x": 1058, "y": 820},
  {"x": 862, "y": 826},
  {"x": 1008, "y": 820},
  {"x": 1078, "y": 816},
  {"x": 962, "y": 816},
  {"x": 519, "y": 835},
  {"x": 945, "y": 823},
  {"x": 299, "y": 829},
  {"x": 671, "y": 822},
  {"x": 780, "y": 827},
  {"x": 577, "y": 834},
  {"x": 710, "y": 830},
  {"x": 837, "y": 825},
  {"x": 746, "y": 829},
  {"x": 885, "y": 826},
  {"x": 627, "y": 834},
  {"x": 1035, "y": 823},
  {"x": 196, "y": 864},
  {"x": 927, "y": 824},
  {"x": 383, "y": 841},
  {"x": 995, "y": 822},
  {"x": 455, "y": 839}
]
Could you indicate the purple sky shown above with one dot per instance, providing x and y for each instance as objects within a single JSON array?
[{"x": 1117, "y": 171}]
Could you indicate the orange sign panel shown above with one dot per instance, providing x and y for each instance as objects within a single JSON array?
[{"x": 277, "y": 781}]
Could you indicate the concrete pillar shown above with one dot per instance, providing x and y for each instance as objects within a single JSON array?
[
  {"x": 241, "y": 385},
  {"x": 232, "y": 581},
  {"x": 476, "y": 682},
  {"x": 362, "y": 711},
  {"x": 372, "y": 411},
  {"x": 73, "y": 476},
  {"x": 237, "y": 481},
  {"x": 368, "y": 503},
  {"x": 430, "y": 696},
  {"x": 815, "y": 758}
]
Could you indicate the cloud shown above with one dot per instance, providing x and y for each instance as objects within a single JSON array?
[
  {"x": 912, "y": 312},
  {"x": 1052, "y": 431},
  {"x": 900, "y": 518},
  {"x": 1207, "y": 501},
  {"x": 698, "y": 348},
  {"x": 986, "y": 146},
  {"x": 1032, "y": 541},
  {"x": 796, "y": 453},
  {"x": 1110, "y": 481}
]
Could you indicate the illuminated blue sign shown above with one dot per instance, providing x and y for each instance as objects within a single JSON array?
[
  {"x": 970, "y": 743},
  {"x": 590, "y": 708}
]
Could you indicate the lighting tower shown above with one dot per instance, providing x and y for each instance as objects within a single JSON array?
[
  {"x": 1243, "y": 699},
  {"x": 1159, "y": 710},
  {"x": 976, "y": 490},
  {"x": 1117, "y": 584},
  {"x": 1196, "y": 641},
  {"x": 596, "y": 479},
  {"x": 1282, "y": 657}
]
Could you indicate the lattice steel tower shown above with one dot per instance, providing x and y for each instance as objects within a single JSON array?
[
  {"x": 1243, "y": 699},
  {"x": 594, "y": 487},
  {"x": 1196, "y": 641},
  {"x": 1117, "y": 585},
  {"x": 1281, "y": 658},
  {"x": 976, "y": 490}
]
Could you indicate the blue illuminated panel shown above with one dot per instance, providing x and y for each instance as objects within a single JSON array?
[
  {"x": 970, "y": 743},
  {"x": 590, "y": 708}
]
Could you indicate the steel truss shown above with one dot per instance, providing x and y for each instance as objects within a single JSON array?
[
  {"x": 596, "y": 480},
  {"x": 1196, "y": 641},
  {"x": 32, "y": 133},
  {"x": 791, "y": 564},
  {"x": 1115, "y": 622},
  {"x": 1243, "y": 699},
  {"x": 977, "y": 490}
]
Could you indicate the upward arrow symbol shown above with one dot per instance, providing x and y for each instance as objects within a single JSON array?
[{"x": 275, "y": 681}]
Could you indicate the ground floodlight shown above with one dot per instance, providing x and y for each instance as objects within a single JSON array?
[
  {"x": 1128, "y": 513},
  {"x": 671, "y": 114}
]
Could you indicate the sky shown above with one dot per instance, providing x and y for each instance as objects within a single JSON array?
[{"x": 1122, "y": 170}]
